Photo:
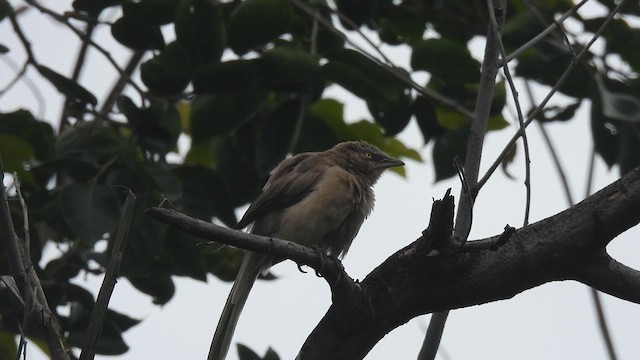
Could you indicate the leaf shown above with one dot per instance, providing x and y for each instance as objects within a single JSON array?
[
  {"x": 257, "y": 22},
  {"x": 425, "y": 113},
  {"x": 394, "y": 117},
  {"x": 285, "y": 68},
  {"x": 618, "y": 105},
  {"x": 448, "y": 146},
  {"x": 94, "y": 7},
  {"x": 151, "y": 12},
  {"x": 497, "y": 122},
  {"x": 68, "y": 87},
  {"x": 15, "y": 154},
  {"x": 159, "y": 286},
  {"x": 136, "y": 34},
  {"x": 232, "y": 76},
  {"x": 38, "y": 134},
  {"x": 8, "y": 346},
  {"x": 200, "y": 31},
  {"x": 274, "y": 139},
  {"x": 629, "y": 149},
  {"x": 271, "y": 355},
  {"x": 167, "y": 73},
  {"x": 604, "y": 132},
  {"x": 4, "y": 49},
  {"x": 90, "y": 211},
  {"x": 354, "y": 81},
  {"x": 244, "y": 353},
  {"x": 213, "y": 115},
  {"x": 446, "y": 59},
  {"x": 162, "y": 176}
]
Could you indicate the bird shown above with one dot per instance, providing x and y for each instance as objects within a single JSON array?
[{"x": 317, "y": 199}]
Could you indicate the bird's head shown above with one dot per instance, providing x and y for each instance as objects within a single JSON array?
[{"x": 364, "y": 159}]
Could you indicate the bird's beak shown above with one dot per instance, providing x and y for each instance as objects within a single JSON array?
[{"x": 389, "y": 162}]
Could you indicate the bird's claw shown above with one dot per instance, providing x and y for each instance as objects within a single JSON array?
[{"x": 300, "y": 269}]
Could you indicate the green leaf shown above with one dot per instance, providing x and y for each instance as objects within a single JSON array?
[
  {"x": 425, "y": 112},
  {"x": 257, "y": 22},
  {"x": 162, "y": 176},
  {"x": 244, "y": 353},
  {"x": 629, "y": 151},
  {"x": 151, "y": 12},
  {"x": 275, "y": 136},
  {"x": 8, "y": 346},
  {"x": 604, "y": 132},
  {"x": 447, "y": 147},
  {"x": 446, "y": 59},
  {"x": 90, "y": 210},
  {"x": 213, "y": 115},
  {"x": 200, "y": 30},
  {"x": 287, "y": 69},
  {"x": 393, "y": 117},
  {"x": 271, "y": 355},
  {"x": 232, "y": 76},
  {"x": 497, "y": 122},
  {"x": 158, "y": 126},
  {"x": 68, "y": 87},
  {"x": 451, "y": 120},
  {"x": 167, "y": 73},
  {"x": 94, "y": 7},
  {"x": 159, "y": 286},
  {"x": 136, "y": 34},
  {"x": 5, "y": 9},
  {"x": 38, "y": 134},
  {"x": 15, "y": 154},
  {"x": 354, "y": 81}
]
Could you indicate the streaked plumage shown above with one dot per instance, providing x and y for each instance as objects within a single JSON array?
[{"x": 316, "y": 199}]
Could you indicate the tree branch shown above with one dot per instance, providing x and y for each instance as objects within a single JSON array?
[
  {"x": 410, "y": 283},
  {"x": 609, "y": 276},
  {"x": 40, "y": 316}
]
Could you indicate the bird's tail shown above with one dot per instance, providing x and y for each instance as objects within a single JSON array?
[{"x": 251, "y": 266}]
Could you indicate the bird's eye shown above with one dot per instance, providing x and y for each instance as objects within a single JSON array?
[{"x": 368, "y": 155}]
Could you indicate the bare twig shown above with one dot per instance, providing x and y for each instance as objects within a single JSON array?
[
  {"x": 65, "y": 21},
  {"x": 27, "y": 280},
  {"x": 552, "y": 92},
  {"x": 125, "y": 78},
  {"x": 108, "y": 283},
  {"x": 514, "y": 93},
  {"x": 77, "y": 69},
  {"x": 544, "y": 33}
]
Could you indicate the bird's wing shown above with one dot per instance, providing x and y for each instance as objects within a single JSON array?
[{"x": 291, "y": 181}]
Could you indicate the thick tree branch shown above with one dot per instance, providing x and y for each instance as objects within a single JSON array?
[
  {"x": 609, "y": 276},
  {"x": 410, "y": 283}
]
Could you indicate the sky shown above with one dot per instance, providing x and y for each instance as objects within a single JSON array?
[{"x": 552, "y": 321}]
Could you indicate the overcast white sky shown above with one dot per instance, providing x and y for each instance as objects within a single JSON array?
[{"x": 553, "y": 321}]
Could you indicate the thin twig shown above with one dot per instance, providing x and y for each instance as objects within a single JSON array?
[
  {"x": 37, "y": 94},
  {"x": 27, "y": 280},
  {"x": 117, "y": 88},
  {"x": 77, "y": 69},
  {"x": 514, "y": 93},
  {"x": 544, "y": 33},
  {"x": 552, "y": 92},
  {"x": 109, "y": 282},
  {"x": 84, "y": 37}
]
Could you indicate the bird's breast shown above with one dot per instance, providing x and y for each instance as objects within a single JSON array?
[{"x": 335, "y": 196}]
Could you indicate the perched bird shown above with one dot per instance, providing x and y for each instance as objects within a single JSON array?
[{"x": 317, "y": 199}]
